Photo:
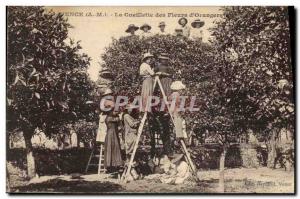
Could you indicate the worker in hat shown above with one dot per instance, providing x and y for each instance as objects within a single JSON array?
[
  {"x": 146, "y": 30},
  {"x": 147, "y": 73},
  {"x": 178, "y": 31},
  {"x": 107, "y": 102},
  {"x": 164, "y": 71},
  {"x": 106, "y": 105},
  {"x": 180, "y": 170},
  {"x": 112, "y": 148},
  {"x": 131, "y": 29},
  {"x": 183, "y": 22},
  {"x": 162, "y": 26},
  {"x": 196, "y": 32},
  {"x": 131, "y": 125},
  {"x": 179, "y": 123}
]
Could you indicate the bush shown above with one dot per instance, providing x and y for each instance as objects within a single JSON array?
[{"x": 53, "y": 162}]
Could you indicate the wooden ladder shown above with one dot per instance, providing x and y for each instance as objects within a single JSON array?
[
  {"x": 92, "y": 160},
  {"x": 140, "y": 130}
]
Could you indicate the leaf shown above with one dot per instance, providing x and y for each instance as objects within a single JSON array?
[
  {"x": 74, "y": 113},
  {"x": 32, "y": 73},
  {"x": 48, "y": 104},
  {"x": 64, "y": 105},
  {"x": 16, "y": 79},
  {"x": 37, "y": 95},
  {"x": 24, "y": 83}
]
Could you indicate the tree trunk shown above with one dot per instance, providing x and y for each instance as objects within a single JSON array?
[
  {"x": 272, "y": 150},
  {"x": 31, "y": 169},
  {"x": 222, "y": 170}
]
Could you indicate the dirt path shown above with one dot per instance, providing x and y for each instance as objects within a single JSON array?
[{"x": 240, "y": 180}]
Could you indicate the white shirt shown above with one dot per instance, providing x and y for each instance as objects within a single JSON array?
[
  {"x": 196, "y": 33},
  {"x": 186, "y": 30},
  {"x": 146, "y": 70},
  {"x": 162, "y": 33},
  {"x": 146, "y": 34}
]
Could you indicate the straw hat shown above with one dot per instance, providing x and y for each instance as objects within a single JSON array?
[
  {"x": 131, "y": 26},
  {"x": 147, "y": 55},
  {"x": 162, "y": 24},
  {"x": 186, "y": 21},
  {"x": 177, "y": 85},
  {"x": 145, "y": 25},
  {"x": 176, "y": 158},
  {"x": 197, "y": 21},
  {"x": 108, "y": 91}
]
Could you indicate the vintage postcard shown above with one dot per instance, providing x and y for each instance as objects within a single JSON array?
[{"x": 150, "y": 100}]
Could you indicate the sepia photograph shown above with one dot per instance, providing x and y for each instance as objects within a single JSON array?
[{"x": 108, "y": 100}]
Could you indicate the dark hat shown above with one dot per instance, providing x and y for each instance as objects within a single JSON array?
[
  {"x": 186, "y": 21},
  {"x": 145, "y": 25},
  {"x": 131, "y": 26},
  {"x": 197, "y": 21},
  {"x": 162, "y": 24},
  {"x": 163, "y": 56}
]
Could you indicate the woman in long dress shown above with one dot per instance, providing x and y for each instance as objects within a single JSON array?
[
  {"x": 112, "y": 150},
  {"x": 147, "y": 73},
  {"x": 131, "y": 127}
]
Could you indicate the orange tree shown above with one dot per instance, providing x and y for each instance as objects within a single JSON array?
[
  {"x": 255, "y": 62},
  {"x": 47, "y": 83},
  {"x": 191, "y": 61},
  {"x": 255, "y": 71}
]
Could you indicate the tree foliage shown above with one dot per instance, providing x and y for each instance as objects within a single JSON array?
[
  {"x": 191, "y": 62},
  {"x": 242, "y": 79},
  {"x": 254, "y": 62},
  {"x": 47, "y": 83}
]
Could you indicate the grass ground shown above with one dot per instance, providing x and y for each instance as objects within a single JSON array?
[{"x": 239, "y": 180}]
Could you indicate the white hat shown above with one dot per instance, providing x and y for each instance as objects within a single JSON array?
[
  {"x": 107, "y": 91},
  {"x": 177, "y": 85},
  {"x": 146, "y": 55}
]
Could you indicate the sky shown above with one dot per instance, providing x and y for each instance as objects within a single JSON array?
[{"x": 95, "y": 26}]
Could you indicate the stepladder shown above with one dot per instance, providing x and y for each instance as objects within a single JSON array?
[
  {"x": 96, "y": 159},
  {"x": 127, "y": 169}
]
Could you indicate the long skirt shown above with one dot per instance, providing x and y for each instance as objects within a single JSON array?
[
  {"x": 147, "y": 90},
  {"x": 130, "y": 142},
  {"x": 166, "y": 84},
  {"x": 112, "y": 150}
]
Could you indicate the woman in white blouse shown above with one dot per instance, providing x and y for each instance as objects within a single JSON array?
[
  {"x": 146, "y": 30},
  {"x": 196, "y": 32},
  {"x": 147, "y": 73}
]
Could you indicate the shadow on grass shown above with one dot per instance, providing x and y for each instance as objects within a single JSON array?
[{"x": 63, "y": 186}]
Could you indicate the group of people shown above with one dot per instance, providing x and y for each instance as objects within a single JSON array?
[
  {"x": 183, "y": 29},
  {"x": 167, "y": 163}
]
